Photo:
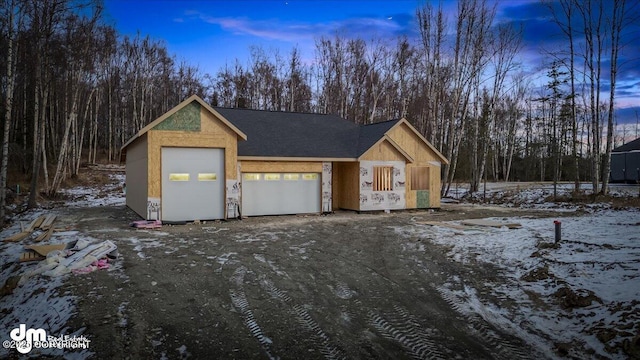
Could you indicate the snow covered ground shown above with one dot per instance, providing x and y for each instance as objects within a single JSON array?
[
  {"x": 581, "y": 297},
  {"x": 88, "y": 196},
  {"x": 534, "y": 195},
  {"x": 41, "y": 302}
]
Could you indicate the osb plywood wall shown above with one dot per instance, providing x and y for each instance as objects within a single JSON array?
[
  {"x": 422, "y": 156},
  {"x": 383, "y": 151},
  {"x": 249, "y": 166},
  {"x": 434, "y": 186},
  {"x": 346, "y": 185}
]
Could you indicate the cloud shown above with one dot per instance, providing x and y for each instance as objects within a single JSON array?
[{"x": 294, "y": 32}]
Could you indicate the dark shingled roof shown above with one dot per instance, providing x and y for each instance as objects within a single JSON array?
[
  {"x": 287, "y": 134},
  {"x": 370, "y": 134},
  {"x": 630, "y": 146}
]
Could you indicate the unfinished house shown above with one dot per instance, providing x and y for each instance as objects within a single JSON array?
[{"x": 197, "y": 162}]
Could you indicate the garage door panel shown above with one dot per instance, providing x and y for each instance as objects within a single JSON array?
[
  {"x": 192, "y": 184},
  {"x": 281, "y": 193}
]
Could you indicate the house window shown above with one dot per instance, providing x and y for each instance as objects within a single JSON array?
[
  {"x": 207, "y": 177},
  {"x": 251, "y": 177},
  {"x": 179, "y": 177},
  {"x": 420, "y": 178},
  {"x": 382, "y": 178}
]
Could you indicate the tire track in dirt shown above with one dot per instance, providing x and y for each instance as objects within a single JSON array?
[
  {"x": 318, "y": 336},
  {"x": 401, "y": 327},
  {"x": 240, "y": 302},
  {"x": 502, "y": 348}
]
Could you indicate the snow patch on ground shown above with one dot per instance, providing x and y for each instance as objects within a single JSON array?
[
  {"x": 536, "y": 195},
  {"x": 584, "y": 291},
  {"x": 87, "y": 196}
]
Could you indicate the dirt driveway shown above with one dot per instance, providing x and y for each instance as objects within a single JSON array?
[{"x": 344, "y": 285}]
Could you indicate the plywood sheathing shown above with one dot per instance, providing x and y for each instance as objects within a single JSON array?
[
  {"x": 281, "y": 166},
  {"x": 423, "y": 155},
  {"x": 213, "y": 134},
  {"x": 346, "y": 185},
  {"x": 383, "y": 151}
]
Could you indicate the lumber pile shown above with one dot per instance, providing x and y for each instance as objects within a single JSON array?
[{"x": 44, "y": 223}]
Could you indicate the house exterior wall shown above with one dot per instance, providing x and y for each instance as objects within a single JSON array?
[
  {"x": 327, "y": 181},
  {"x": 383, "y": 151},
  {"x": 212, "y": 134},
  {"x": 382, "y": 200},
  {"x": 422, "y": 156},
  {"x": 136, "y": 175},
  {"x": 346, "y": 187}
]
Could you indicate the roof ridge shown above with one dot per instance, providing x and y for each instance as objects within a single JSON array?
[
  {"x": 275, "y": 111},
  {"x": 380, "y": 122}
]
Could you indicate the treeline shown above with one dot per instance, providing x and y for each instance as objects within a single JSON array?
[{"x": 74, "y": 88}]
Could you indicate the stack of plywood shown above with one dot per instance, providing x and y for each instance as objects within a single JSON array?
[{"x": 44, "y": 223}]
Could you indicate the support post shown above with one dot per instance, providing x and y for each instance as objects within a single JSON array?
[{"x": 558, "y": 226}]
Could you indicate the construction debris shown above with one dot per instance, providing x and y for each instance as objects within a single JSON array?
[
  {"x": 80, "y": 256},
  {"x": 42, "y": 222},
  {"x": 489, "y": 223},
  {"x": 40, "y": 252},
  {"x": 444, "y": 224},
  {"x": 146, "y": 224}
]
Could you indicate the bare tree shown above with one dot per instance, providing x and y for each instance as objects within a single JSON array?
[
  {"x": 617, "y": 23},
  {"x": 13, "y": 13}
]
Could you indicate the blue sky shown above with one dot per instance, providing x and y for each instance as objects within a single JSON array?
[{"x": 214, "y": 32}]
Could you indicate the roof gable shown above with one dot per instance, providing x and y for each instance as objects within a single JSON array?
[
  {"x": 388, "y": 126},
  {"x": 181, "y": 118},
  {"x": 371, "y": 134}
]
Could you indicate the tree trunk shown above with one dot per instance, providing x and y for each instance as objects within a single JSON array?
[
  {"x": 616, "y": 29},
  {"x": 8, "y": 108}
]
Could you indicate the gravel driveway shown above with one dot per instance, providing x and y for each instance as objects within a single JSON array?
[{"x": 344, "y": 285}]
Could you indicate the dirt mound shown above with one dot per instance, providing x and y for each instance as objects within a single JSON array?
[
  {"x": 570, "y": 299},
  {"x": 541, "y": 273}
]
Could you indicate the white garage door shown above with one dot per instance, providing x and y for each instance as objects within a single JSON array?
[
  {"x": 192, "y": 184},
  {"x": 280, "y": 193}
]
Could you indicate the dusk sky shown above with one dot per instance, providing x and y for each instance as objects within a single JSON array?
[{"x": 209, "y": 34}]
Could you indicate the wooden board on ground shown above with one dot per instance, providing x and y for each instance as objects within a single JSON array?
[
  {"x": 46, "y": 235},
  {"x": 31, "y": 256},
  {"x": 45, "y": 249},
  {"x": 48, "y": 221},
  {"x": 17, "y": 237},
  {"x": 444, "y": 224},
  {"x": 490, "y": 223},
  {"x": 38, "y": 222}
]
